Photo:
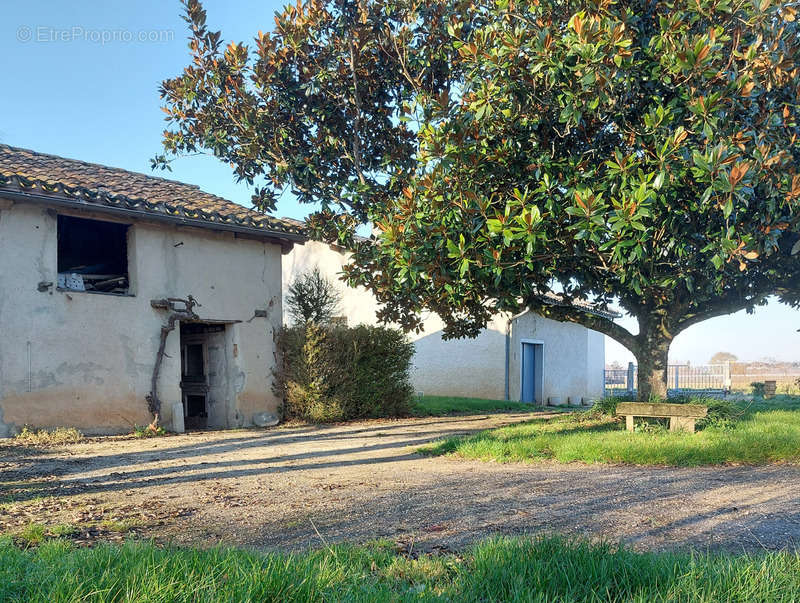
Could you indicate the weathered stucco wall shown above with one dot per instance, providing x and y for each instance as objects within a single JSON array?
[
  {"x": 574, "y": 356},
  {"x": 85, "y": 360}
]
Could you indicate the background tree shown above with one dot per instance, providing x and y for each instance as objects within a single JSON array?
[
  {"x": 639, "y": 153},
  {"x": 312, "y": 298},
  {"x": 723, "y": 357}
]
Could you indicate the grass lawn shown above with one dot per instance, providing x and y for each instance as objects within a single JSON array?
[
  {"x": 439, "y": 406},
  {"x": 766, "y": 432},
  {"x": 499, "y": 569}
]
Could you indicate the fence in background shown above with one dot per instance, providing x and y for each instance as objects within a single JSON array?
[
  {"x": 785, "y": 375},
  {"x": 712, "y": 379}
]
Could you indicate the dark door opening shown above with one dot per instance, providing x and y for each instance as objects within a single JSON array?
[
  {"x": 204, "y": 375},
  {"x": 196, "y": 413},
  {"x": 194, "y": 381}
]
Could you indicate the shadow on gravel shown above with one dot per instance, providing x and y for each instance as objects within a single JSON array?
[{"x": 448, "y": 502}]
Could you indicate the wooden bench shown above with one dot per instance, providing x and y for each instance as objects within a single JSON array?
[{"x": 681, "y": 416}]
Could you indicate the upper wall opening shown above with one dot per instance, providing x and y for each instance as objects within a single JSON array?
[{"x": 92, "y": 255}]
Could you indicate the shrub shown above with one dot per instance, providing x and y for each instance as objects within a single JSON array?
[
  {"x": 789, "y": 389},
  {"x": 608, "y": 405},
  {"x": 655, "y": 426},
  {"x": 759, "y": 389},
  {"x": 337, "y": 373},
  {"x": 722, "y": 413}
]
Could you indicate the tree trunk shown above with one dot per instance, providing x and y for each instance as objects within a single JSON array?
[{"x": 651, "y": 357}]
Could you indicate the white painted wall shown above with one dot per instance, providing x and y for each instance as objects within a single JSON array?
[
  {"x": 574, "y": 357},
  {"x": 470, "y": 368},
  {"x": 91, "y": 355},
  {"x": 358, "y": 304},
  {"x": 596, "y": 366}
]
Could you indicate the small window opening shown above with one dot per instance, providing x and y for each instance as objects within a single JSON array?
[{"x": 92, "y": 255}]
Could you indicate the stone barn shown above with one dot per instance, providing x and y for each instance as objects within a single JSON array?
[{"x": 120, "y": 291}]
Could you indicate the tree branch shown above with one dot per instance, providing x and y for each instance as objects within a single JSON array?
[
  {"x": 587, "y": 319},
  {"x": 357, "y": 118},
  {"x": 726, "y": 305}
]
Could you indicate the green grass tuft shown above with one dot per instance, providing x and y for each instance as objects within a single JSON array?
[
  {"x": 34, "y": 534},
  {"x": 499, "y": 569},
  {"x": 148, "y": 431},
  {"x": 762, "y": 433}
]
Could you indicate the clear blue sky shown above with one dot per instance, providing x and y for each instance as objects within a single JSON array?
[{"x": 79, "y": 82}]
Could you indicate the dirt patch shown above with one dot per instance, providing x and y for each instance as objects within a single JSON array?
[{"x": 293, "y": 487}]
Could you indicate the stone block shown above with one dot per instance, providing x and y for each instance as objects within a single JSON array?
[{"x": 265, "y": 419}]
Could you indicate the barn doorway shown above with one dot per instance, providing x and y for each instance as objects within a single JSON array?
[{"x": 204, "y": 375}]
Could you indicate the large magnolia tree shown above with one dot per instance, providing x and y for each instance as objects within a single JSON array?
[{"x": 638, "y": 153}]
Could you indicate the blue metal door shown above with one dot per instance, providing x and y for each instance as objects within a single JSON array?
[{"x": 528, "y": 368}]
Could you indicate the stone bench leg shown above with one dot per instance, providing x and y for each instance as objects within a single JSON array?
[
  {"x": 629, "y": 422},
  {"x": 681, "y": 424}
]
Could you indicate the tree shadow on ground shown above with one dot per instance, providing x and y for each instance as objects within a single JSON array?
[
  {"x": 32, "y": 463},
  {"x": 442, "y": 503}
]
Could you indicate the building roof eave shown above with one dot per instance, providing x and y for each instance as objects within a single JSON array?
[{"x": 178, "y": 220}]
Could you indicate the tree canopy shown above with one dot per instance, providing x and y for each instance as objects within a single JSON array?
[{"x": 640, "y": 153}]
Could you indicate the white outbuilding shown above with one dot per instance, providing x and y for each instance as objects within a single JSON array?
[{"x": 525, "y": 357}]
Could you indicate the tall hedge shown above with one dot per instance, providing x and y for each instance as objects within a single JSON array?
[{"x": 338, "y": 373}]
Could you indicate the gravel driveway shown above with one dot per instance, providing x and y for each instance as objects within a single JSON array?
[{"x": 291, "y": 487}]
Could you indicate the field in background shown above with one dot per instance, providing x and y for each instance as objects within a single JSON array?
[{"x": 734, "y": 377}]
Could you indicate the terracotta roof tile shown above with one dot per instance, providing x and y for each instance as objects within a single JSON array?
[
  {"x": 557, "y": 299},
  {"x": 32, "y": 172}
]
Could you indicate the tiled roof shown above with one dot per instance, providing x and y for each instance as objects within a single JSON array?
[
  {"x": 40, "y": 174},
  {"x": 557, "y": 300},
  {"x": 299, "y": 224}
]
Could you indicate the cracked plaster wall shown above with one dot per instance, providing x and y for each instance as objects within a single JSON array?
[{"x": 85, "y": 360}]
